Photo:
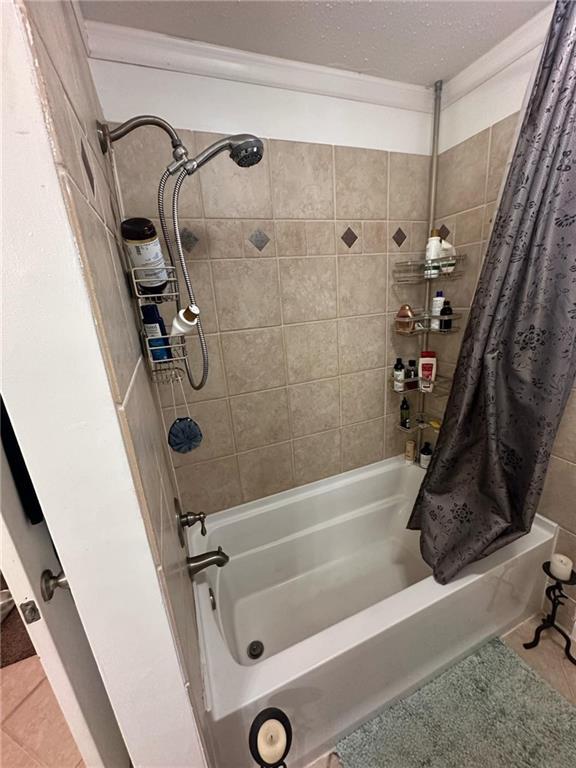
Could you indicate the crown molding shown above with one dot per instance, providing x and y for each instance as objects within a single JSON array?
[
  {"x": 524, "y": 40},
  {"x": 110, "y": 42}
]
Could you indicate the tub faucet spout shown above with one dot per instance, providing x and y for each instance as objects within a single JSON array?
[{"x": 197, "y": 563}]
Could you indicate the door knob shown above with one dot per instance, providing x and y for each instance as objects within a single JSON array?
[{"x": 49, "y": 583}]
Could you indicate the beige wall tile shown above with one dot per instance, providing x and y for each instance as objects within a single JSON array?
[
  {"x": 194, "y": 239},
  {"x": 291, "y": 238},
  {"x": 394, "y": 439},
  {"x": 557, "y": 501},
  {"x": 566, "y": 545},
  {"x": 215, "y": 386},
  {"x": 58, "y": 28},
  {"x": 362, "y": 444},
  {"x": 200, "y": 273},
  {"x": 230, "y": 191},
  {"x": 311, "y": 351},
  {"x": 341, "y": 228},
  {"x": 406, "y": 244},
  {"x": 488, "y": 220},
  {"x": 302, "y": 180},
  {"x": 361, "y": 183},
  {"x": 316, "y": 456},
  {"x": 65, "y": 126},
  {"x": 500, "y": 145},
  {"x": 265, "y": 471},
  {"x": 375, "y": 236},
  {"x": 362, "y": 343},
  {"x": 247, "y": 293},
  {"x": 141, "y": 157},
  {"x": 253, "y": 360},
  {"x": 308, "y": 288},
  {"x": 468, "y": 227},
  {"x": 320, "y": 238},
  {"x": 361, "y": 285},
  {"x": 315, "y": 406},
  {"x": 419, "y": 233},
  {"x": 409, "y": 182},
  {"x": 210, "y": 486},
  {"x": 144, "y": 436},
  {"x": 213, "y": 418},
  {"x": 224, "y": 238},
  {"x": 565, "y": 444},
  {"x": 363, "y": 396},
  {"x": 117, "y": 332},
  {"x": 462, "y": 175},
  {"x": 260, "y": 418},
  {"x": 251, "y": 228}
]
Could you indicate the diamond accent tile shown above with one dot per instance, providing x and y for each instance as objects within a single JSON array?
[
  {"x": 189, "y": 239},
  {"x": 399, "y": 236},
  {"x": 87, "y": 167},
  {"x": 259, "y": 239},
  {"x": 349, "y": 237},
  {"x": 444, "y": 231}
]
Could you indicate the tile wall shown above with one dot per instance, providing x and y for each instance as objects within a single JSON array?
[
  {"x": 291, "y": 262},
  {"x": 88, "y": 186}
]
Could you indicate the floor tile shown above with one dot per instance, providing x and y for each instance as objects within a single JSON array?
[
  {"x": 39, "y": 725},
  {"x": 547, "y": 659},
  {"x": 13, "y": 756},
  {"x": 17, "y": 681}
]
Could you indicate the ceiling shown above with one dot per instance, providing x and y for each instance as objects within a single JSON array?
[{"x": 409, "y": 40}]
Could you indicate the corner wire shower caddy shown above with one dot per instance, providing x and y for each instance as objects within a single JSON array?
[
  {"x": 173, "y": 368},
  {"x": 417, "y": 271}
]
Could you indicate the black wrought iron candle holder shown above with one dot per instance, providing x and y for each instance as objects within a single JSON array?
[{"x": 556, "y": 595}]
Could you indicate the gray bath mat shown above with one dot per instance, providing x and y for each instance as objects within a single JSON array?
[{"x": 488, "y": 711}]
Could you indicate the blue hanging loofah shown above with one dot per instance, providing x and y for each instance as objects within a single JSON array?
[{"x": 184, "y": 435}]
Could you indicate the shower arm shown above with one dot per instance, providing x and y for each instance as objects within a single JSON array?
[{"x": 106, "y": 137}]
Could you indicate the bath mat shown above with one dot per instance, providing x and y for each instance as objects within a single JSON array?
[{"x": 488, "y": 711}]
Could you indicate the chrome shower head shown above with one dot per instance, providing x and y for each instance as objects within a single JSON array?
[{"x": 246, "y": 150}]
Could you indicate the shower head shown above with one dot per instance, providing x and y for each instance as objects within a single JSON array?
[{"x": 246, "y": 150}]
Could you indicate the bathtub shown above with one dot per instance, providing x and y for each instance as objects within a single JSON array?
[{"x": 331, "y": 584}]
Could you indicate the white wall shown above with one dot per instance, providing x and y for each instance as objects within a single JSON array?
[
  {"x": 57, "y": 393},
  {"x": 211, "y": 104}
]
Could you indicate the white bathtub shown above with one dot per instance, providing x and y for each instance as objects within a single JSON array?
[{"x": 330, "y": 581}]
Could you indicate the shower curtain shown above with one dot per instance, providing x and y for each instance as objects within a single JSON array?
[{"x": 518, "y": 358}]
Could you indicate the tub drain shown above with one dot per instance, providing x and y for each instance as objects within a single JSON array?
[{"x": 255, "y": 649}]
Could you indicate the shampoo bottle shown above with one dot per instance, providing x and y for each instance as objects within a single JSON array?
[
  {"x": 437, "y": 304},
  {"x": 399, "y": 375},
  {"x": 405, "y": 414},
  {"x": 445, "y": 317},
  {"x": 425, "y": 455},
  {"x": 144, "y": 253},
  {"x": 155, "y": 331},
  {"x": 427, "y": 371}
]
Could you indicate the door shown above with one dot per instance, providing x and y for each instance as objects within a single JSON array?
[{"x": 56, "y": 632}]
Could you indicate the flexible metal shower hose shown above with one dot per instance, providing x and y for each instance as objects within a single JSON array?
[{"x": 182, "y": 260}]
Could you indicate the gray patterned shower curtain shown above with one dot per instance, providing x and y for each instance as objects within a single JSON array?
[{"x": 518, "y": 358}]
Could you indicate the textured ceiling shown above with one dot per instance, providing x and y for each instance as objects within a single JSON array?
[{"x": 412, "y": 41}]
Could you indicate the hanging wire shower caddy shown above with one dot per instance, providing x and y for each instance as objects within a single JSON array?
[{"x": 173, "y": 367}]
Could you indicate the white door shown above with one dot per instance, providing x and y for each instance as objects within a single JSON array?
[{"x": 57, "y": 633}]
